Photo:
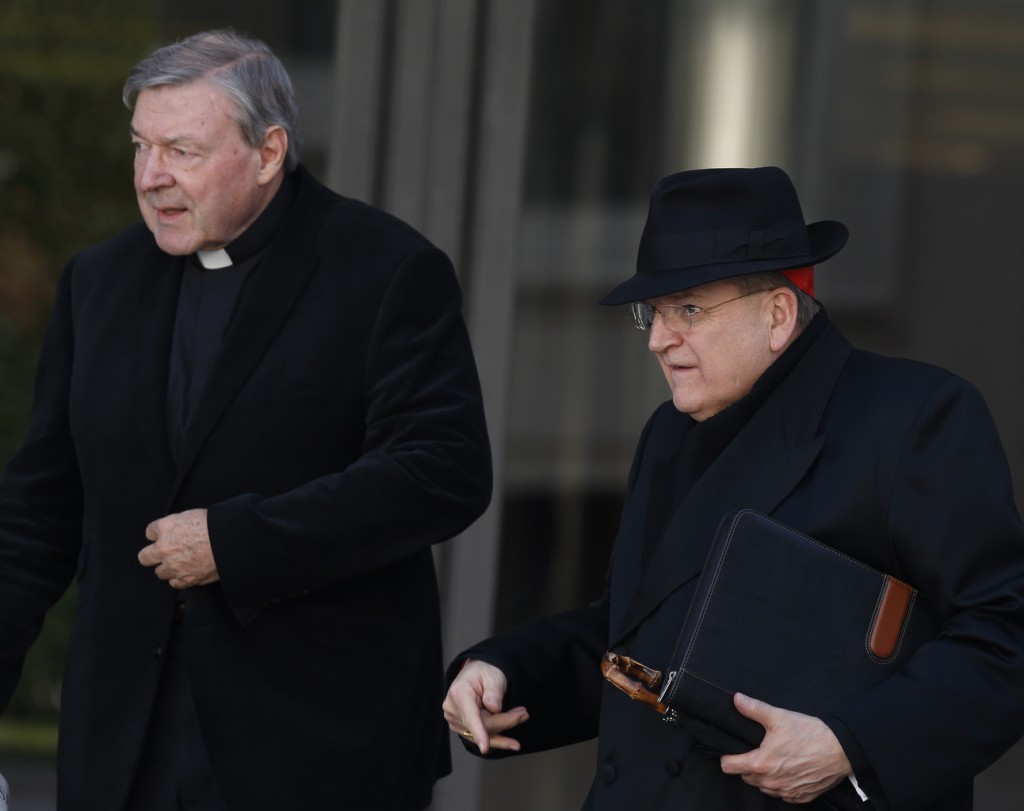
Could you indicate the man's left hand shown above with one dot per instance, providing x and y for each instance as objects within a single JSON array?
[
  {"x": 180, "y": 550},
  {"x": 798, "y": 760}
]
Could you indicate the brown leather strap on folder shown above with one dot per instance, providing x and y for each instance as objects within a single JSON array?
[
  {"x": 890, "y": 617},
  {"x": 637, "y": 681}
]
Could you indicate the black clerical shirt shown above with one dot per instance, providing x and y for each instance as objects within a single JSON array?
[{"x": 207, "y": 300}]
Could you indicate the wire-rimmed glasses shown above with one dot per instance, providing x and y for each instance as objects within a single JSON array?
[{"x": 677, "y": 317}]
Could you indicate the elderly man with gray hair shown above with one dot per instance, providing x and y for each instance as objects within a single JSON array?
[{"x": 255, "y": 413}]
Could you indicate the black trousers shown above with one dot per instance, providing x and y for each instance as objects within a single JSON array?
[{"x": 174, "y": 772}]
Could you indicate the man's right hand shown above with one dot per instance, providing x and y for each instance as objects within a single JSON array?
[{"x": 473, "y": 711}]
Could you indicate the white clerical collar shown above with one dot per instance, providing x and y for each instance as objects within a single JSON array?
[{"x": 214, "y": 260}]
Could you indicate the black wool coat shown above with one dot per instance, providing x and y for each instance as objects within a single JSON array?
[
  {"x": 340, "y": 436},
  {"x": 893, "y": 462}
]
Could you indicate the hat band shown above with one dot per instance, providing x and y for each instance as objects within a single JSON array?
[{"x": 671, "y": 251}]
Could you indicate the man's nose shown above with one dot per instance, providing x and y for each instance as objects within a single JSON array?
[
  {"x": 151, "y": 170},
  {"x": 660, "y": 337}
]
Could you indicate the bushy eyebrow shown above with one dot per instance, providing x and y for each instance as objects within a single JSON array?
[
  {"x": 687, "y": 297},
  {"x": 677, "y": 300},
  {"x": 174, "y": 140}
]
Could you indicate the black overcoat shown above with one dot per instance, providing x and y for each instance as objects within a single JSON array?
[
  {"x": 340, "y": 436},
  {"x": 894, "y": 462}
]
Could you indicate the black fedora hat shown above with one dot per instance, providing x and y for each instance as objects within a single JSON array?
[{"x": 711, "y": 224}]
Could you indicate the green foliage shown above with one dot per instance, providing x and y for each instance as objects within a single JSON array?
[
  {"x": 65, "y": 183},
  {"x": 65, "y": 170},
  {"x": 28, "y": 738}
]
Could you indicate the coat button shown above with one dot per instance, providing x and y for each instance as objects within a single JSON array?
[
  {"x": 673, "y": 766},
  {"x": 158, "y": 652},
  {"x": 609, "y": 773}
]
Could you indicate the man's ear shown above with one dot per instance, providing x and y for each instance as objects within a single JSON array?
[
  {"x": 782, "y": 327},
  {"x": 272, "y": 154}
]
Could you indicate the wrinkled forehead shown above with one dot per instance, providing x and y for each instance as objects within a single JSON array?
[
  {"x": 202, "y": 103},
  {"x": 195, "y": 114}
]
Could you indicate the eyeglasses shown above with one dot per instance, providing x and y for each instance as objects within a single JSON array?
[{"x": 677, "y": 317}]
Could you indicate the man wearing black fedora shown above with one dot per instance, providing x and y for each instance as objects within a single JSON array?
[{"x": 892, "y": 462}]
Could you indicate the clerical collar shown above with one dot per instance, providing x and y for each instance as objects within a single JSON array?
[
  {"x": 214, "y": 260},
  {"x": 258, "y": 235}
]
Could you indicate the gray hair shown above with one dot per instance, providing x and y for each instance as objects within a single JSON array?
[
  {"x": 806, "y": 306},
  {"x": 244, "y": 68}
]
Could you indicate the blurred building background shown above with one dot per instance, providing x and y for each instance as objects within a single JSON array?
[{"x": 523, "y": 137}]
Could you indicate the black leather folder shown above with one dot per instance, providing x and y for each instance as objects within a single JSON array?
[{"x": 786, "y": 619}]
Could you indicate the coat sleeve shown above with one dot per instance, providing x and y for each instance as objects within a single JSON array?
[
  {"x": 424, "y": 473},
  {"x": 552, "y": 665},
  {"x": 959, "y": 703},
  {"x": 40, "y": 504}
]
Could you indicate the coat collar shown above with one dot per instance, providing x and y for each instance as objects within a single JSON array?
[{"x": 758, "y": 469}]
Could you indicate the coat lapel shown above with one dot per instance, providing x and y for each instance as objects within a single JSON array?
[
  {"x": 762, "y": 465},
  {"x": 269, "y": 296},
  {"x": 658, "y": 445},
  {"x": 155, "y": 310}
]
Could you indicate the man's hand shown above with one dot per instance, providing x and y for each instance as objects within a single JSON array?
[
  {"x": 472, "y": 708},
  {"x": 180, "y": 550},
  {"x": 798, "y": 760}
]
